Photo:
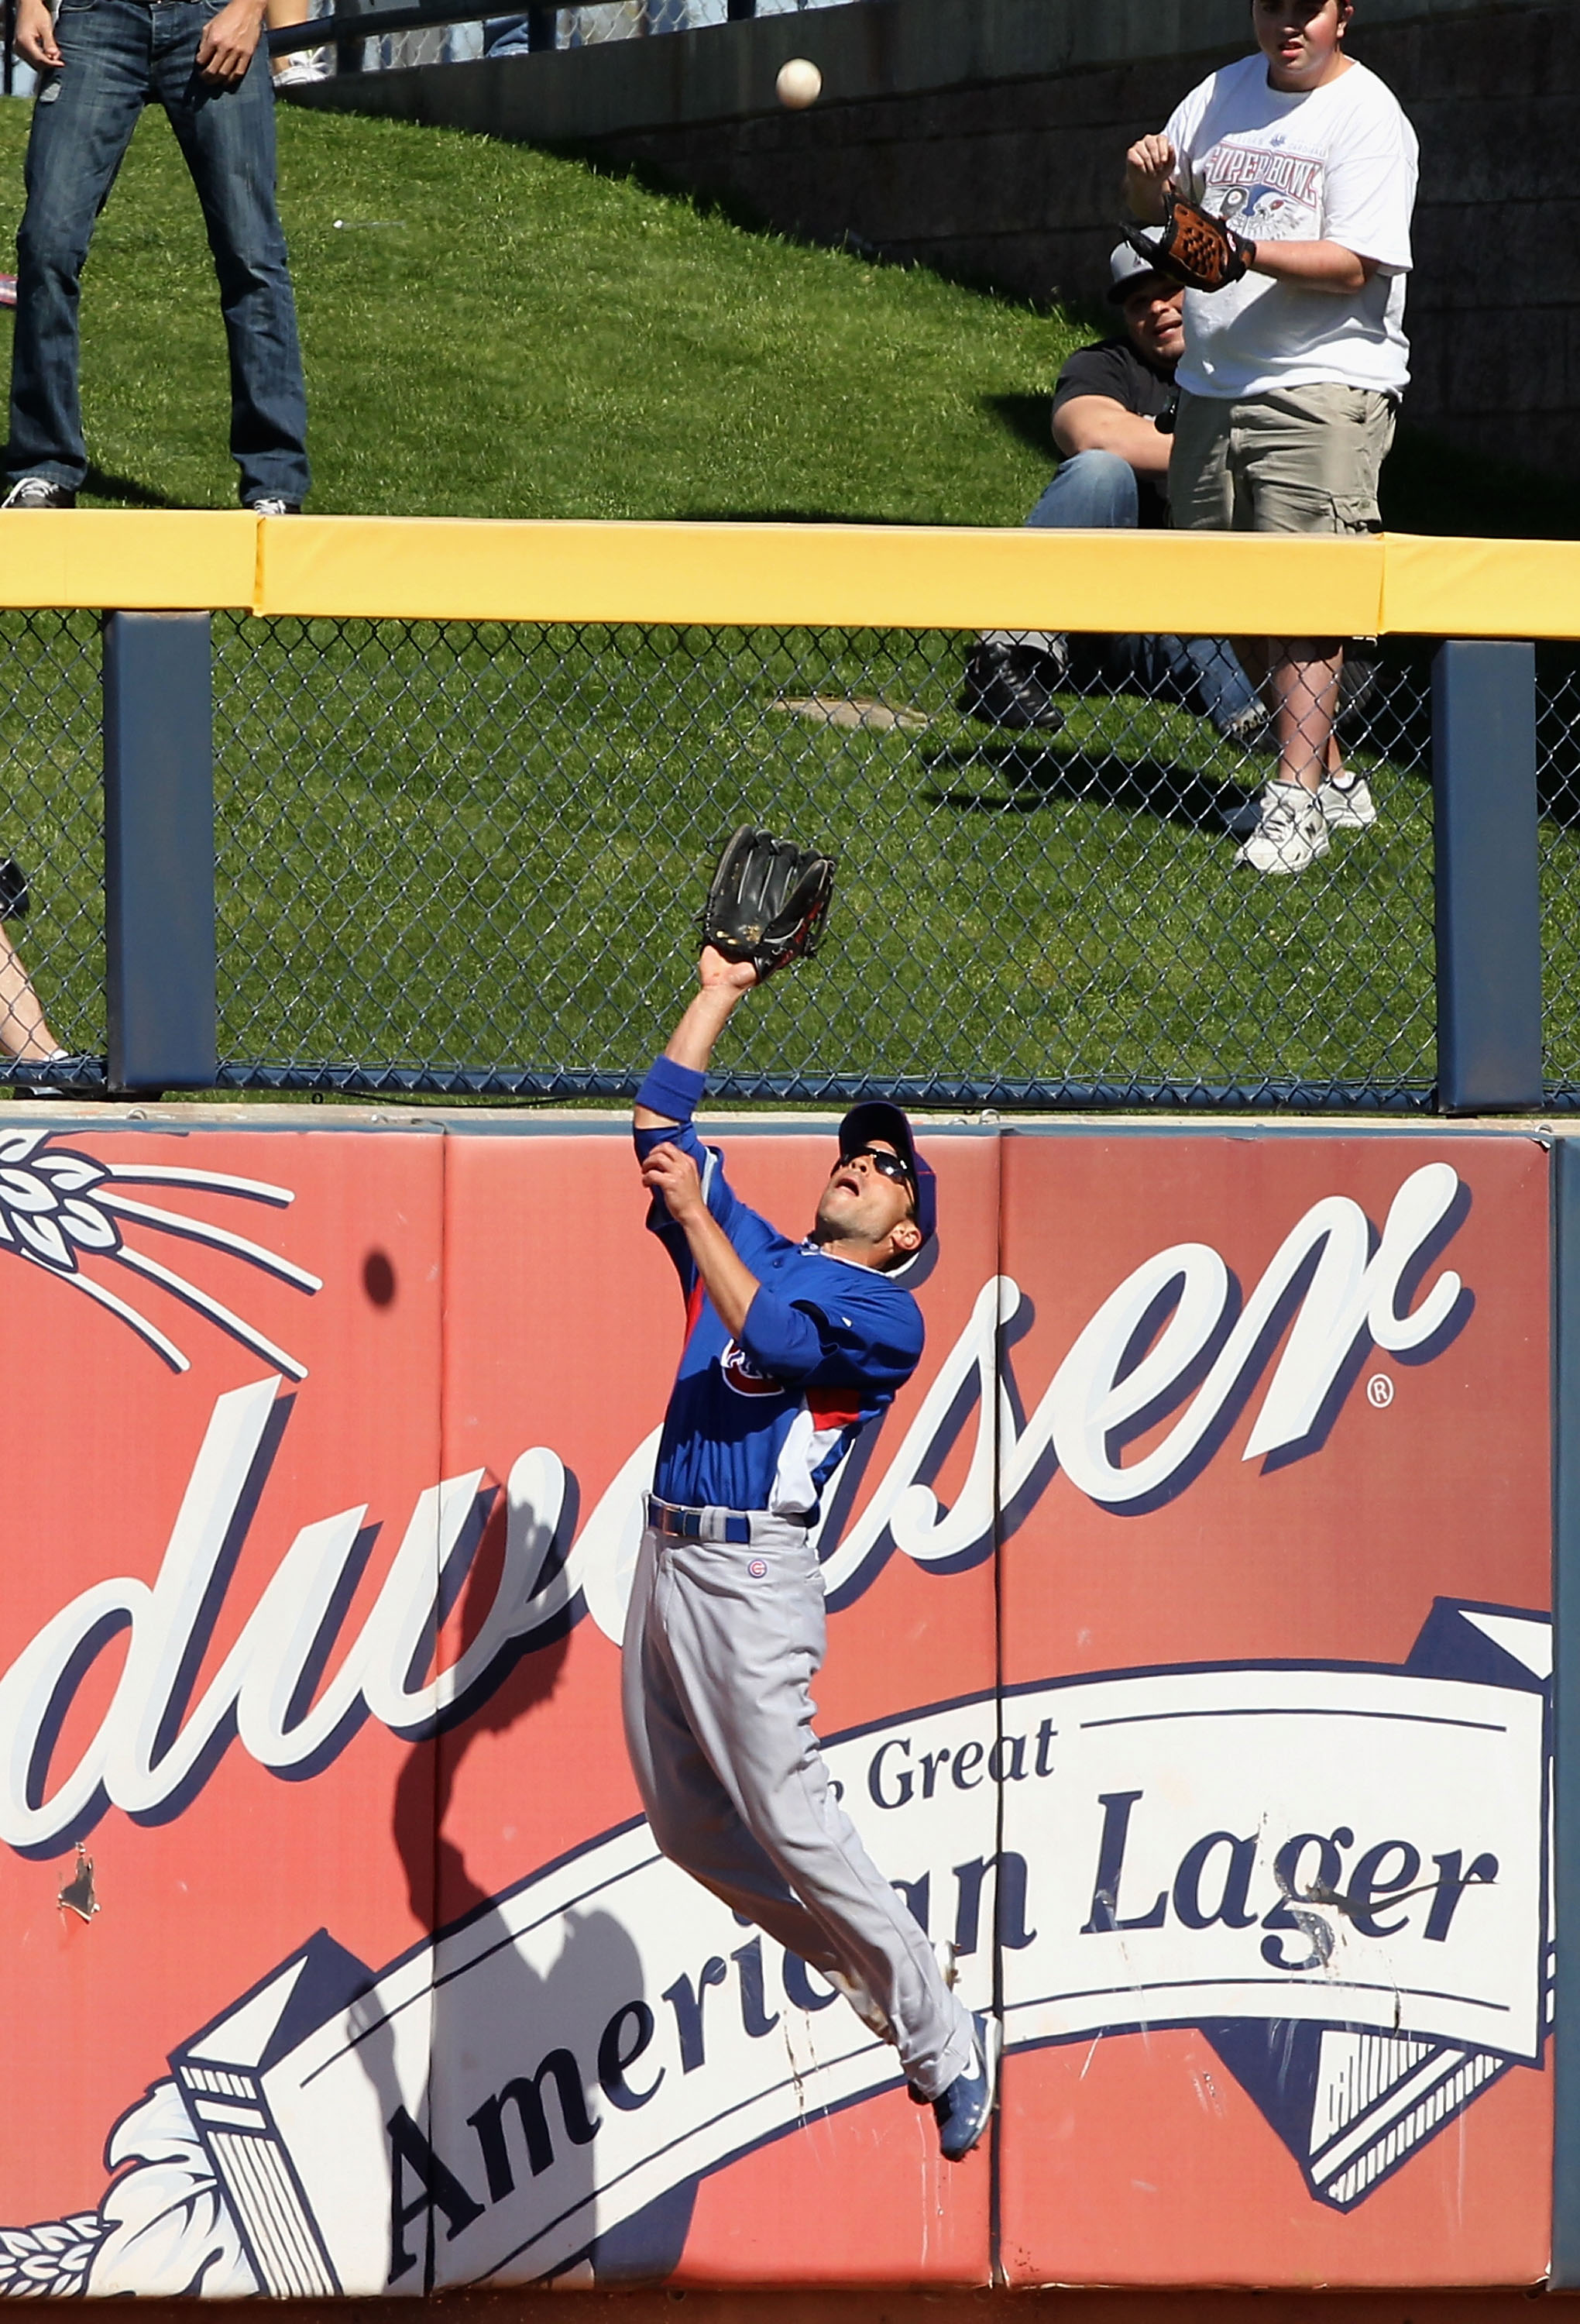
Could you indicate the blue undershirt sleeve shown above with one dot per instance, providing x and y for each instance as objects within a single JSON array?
[{"x": 676, "y": 1091}]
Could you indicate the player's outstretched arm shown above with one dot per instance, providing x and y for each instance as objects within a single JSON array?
[{"x": 722, "y": 985}]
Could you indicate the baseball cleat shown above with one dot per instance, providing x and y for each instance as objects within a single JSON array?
[
  {"x": 1291, "y": 830},
  {"x": 964, "y": 2110}
]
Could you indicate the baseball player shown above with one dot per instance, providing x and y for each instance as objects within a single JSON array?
[{"x": 791, "y": 1348}]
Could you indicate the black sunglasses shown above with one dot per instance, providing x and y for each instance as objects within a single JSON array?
[{"x": 887, "y": 1165}]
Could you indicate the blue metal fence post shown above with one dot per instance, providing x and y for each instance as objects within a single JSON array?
[
  {"x": 1488, "y": 892},
  {"x": 1566, "y": 1805},
  {"x": 159, "y": 851}
]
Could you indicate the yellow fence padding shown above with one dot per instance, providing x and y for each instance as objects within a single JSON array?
[
  {"x": 1446, "y": 588},
  {"x": 177, "y": 560},
  {"x": 842, "y": 576},
  {"x": 838, "y": 576}
]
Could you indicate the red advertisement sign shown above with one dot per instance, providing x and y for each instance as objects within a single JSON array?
[{"x": 1186, "y": 1670}]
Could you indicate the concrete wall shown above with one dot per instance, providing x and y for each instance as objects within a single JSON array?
[{"x": 984, "y": 137}]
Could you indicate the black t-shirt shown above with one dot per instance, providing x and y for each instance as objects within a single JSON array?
[{"x": 1113, "y": 369}]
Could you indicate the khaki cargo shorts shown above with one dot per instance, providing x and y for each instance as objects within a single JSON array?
[{"x": 1304, "y": 459}]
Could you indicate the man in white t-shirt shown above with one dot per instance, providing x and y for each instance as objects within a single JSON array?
[{"x": 1290, "y": 377}]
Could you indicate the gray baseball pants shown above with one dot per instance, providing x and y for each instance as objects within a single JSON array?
[{"x": 722, "y": 1641}]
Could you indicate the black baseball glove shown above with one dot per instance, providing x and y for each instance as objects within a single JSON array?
[
  {"x": 15, "y": 895},
  {"x": 768, "y": 901},
  {"x": 1193, "y": 247}
]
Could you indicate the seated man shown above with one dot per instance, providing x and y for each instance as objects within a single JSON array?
[{"x": 1113, "y": 416}]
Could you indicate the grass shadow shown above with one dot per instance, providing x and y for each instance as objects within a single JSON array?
[
  {"x": 1029, "y": 418},
  {"x": 126, "y": 491},
  {"x": 1038, "y": 774}
]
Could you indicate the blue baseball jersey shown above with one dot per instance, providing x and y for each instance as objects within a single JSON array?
[{"x": 762, "y": 1422}]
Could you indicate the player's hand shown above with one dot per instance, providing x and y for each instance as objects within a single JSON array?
[
  {"x": 229, "y": 41},
  {"x": 35, "y": 36},
  {"x": 1149, "y": 169},
  {"x": 670, "y": 1172},
  {"x": 717, "y": 974}
]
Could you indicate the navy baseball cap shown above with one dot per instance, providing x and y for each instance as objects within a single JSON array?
[{"x": 876, "y": 1117}]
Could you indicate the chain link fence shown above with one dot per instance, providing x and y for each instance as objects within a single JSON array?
[
  {"x": 470, "y": 857},
  {"x": 1557, "y": 749},
  {"x": 50, "y": 714}
]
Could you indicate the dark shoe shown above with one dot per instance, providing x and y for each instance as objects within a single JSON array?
[
  {"x": 963, "y": 2112},
  {"x": 1012, "y": 686},
  {"x": 270, "y": 507},
  {"x": 1250, "y": 730},
  {"x": 38, "y": 492}
]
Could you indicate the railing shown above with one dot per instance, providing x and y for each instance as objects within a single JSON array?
[
  {"x": 428, "y": 807},
  {"x": 352, "y": 25}
]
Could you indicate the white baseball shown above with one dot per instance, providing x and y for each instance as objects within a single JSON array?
[{"x": 799, "y": 85}]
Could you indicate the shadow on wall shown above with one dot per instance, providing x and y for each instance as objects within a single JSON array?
[{"x": 543, "y": 2117}]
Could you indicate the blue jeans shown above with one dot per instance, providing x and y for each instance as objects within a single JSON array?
[
  {"x": 1096, "y": 492},
  {"x": 119, "y": 55}
]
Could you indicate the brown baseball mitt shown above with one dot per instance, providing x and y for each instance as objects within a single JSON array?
[{"x": 1193, "y": 247}]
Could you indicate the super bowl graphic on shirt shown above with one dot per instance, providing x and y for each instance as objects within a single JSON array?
[{"x": 1325, "y": 1870}]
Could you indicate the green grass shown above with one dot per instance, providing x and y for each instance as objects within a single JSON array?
[
  {"x": 473, "y": 846},
  {"x": 496, "y": 332}
]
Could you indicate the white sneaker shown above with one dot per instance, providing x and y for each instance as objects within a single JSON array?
[
  {"x": 1291, "y": 830},
  {"x": 1348, "y": 806},
  {"x": 39, "y": 492},
  {"x": 306, "y": 65}
]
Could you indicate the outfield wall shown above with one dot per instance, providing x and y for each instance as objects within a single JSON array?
[
  {"x": 1190, "y": 1640},
  {"x": 987, "y": 140}
]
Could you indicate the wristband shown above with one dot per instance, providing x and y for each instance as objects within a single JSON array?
[{"x": 674, "y": 1091}]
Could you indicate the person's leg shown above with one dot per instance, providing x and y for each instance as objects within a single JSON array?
[
  {"x": 692, "y": 1817},
  {"x": 1203, "y": 494},
  {"x": 743, "y": 1650},
  {"x": 227, "y": 140},
  {"x": 82, "y": 123},
  {"x": 1206, "y": 495},
  {"x": 1211, "y": 482},
  {"x": 1013, "y": 675},
  {"x": 1314, "y": 461},
  {"x": 23, "y": 1032},
  {"x": 1210, "y": 676},
  {"x": 1095, "y": 492},
  {"x": 1091, "y": 492}
]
